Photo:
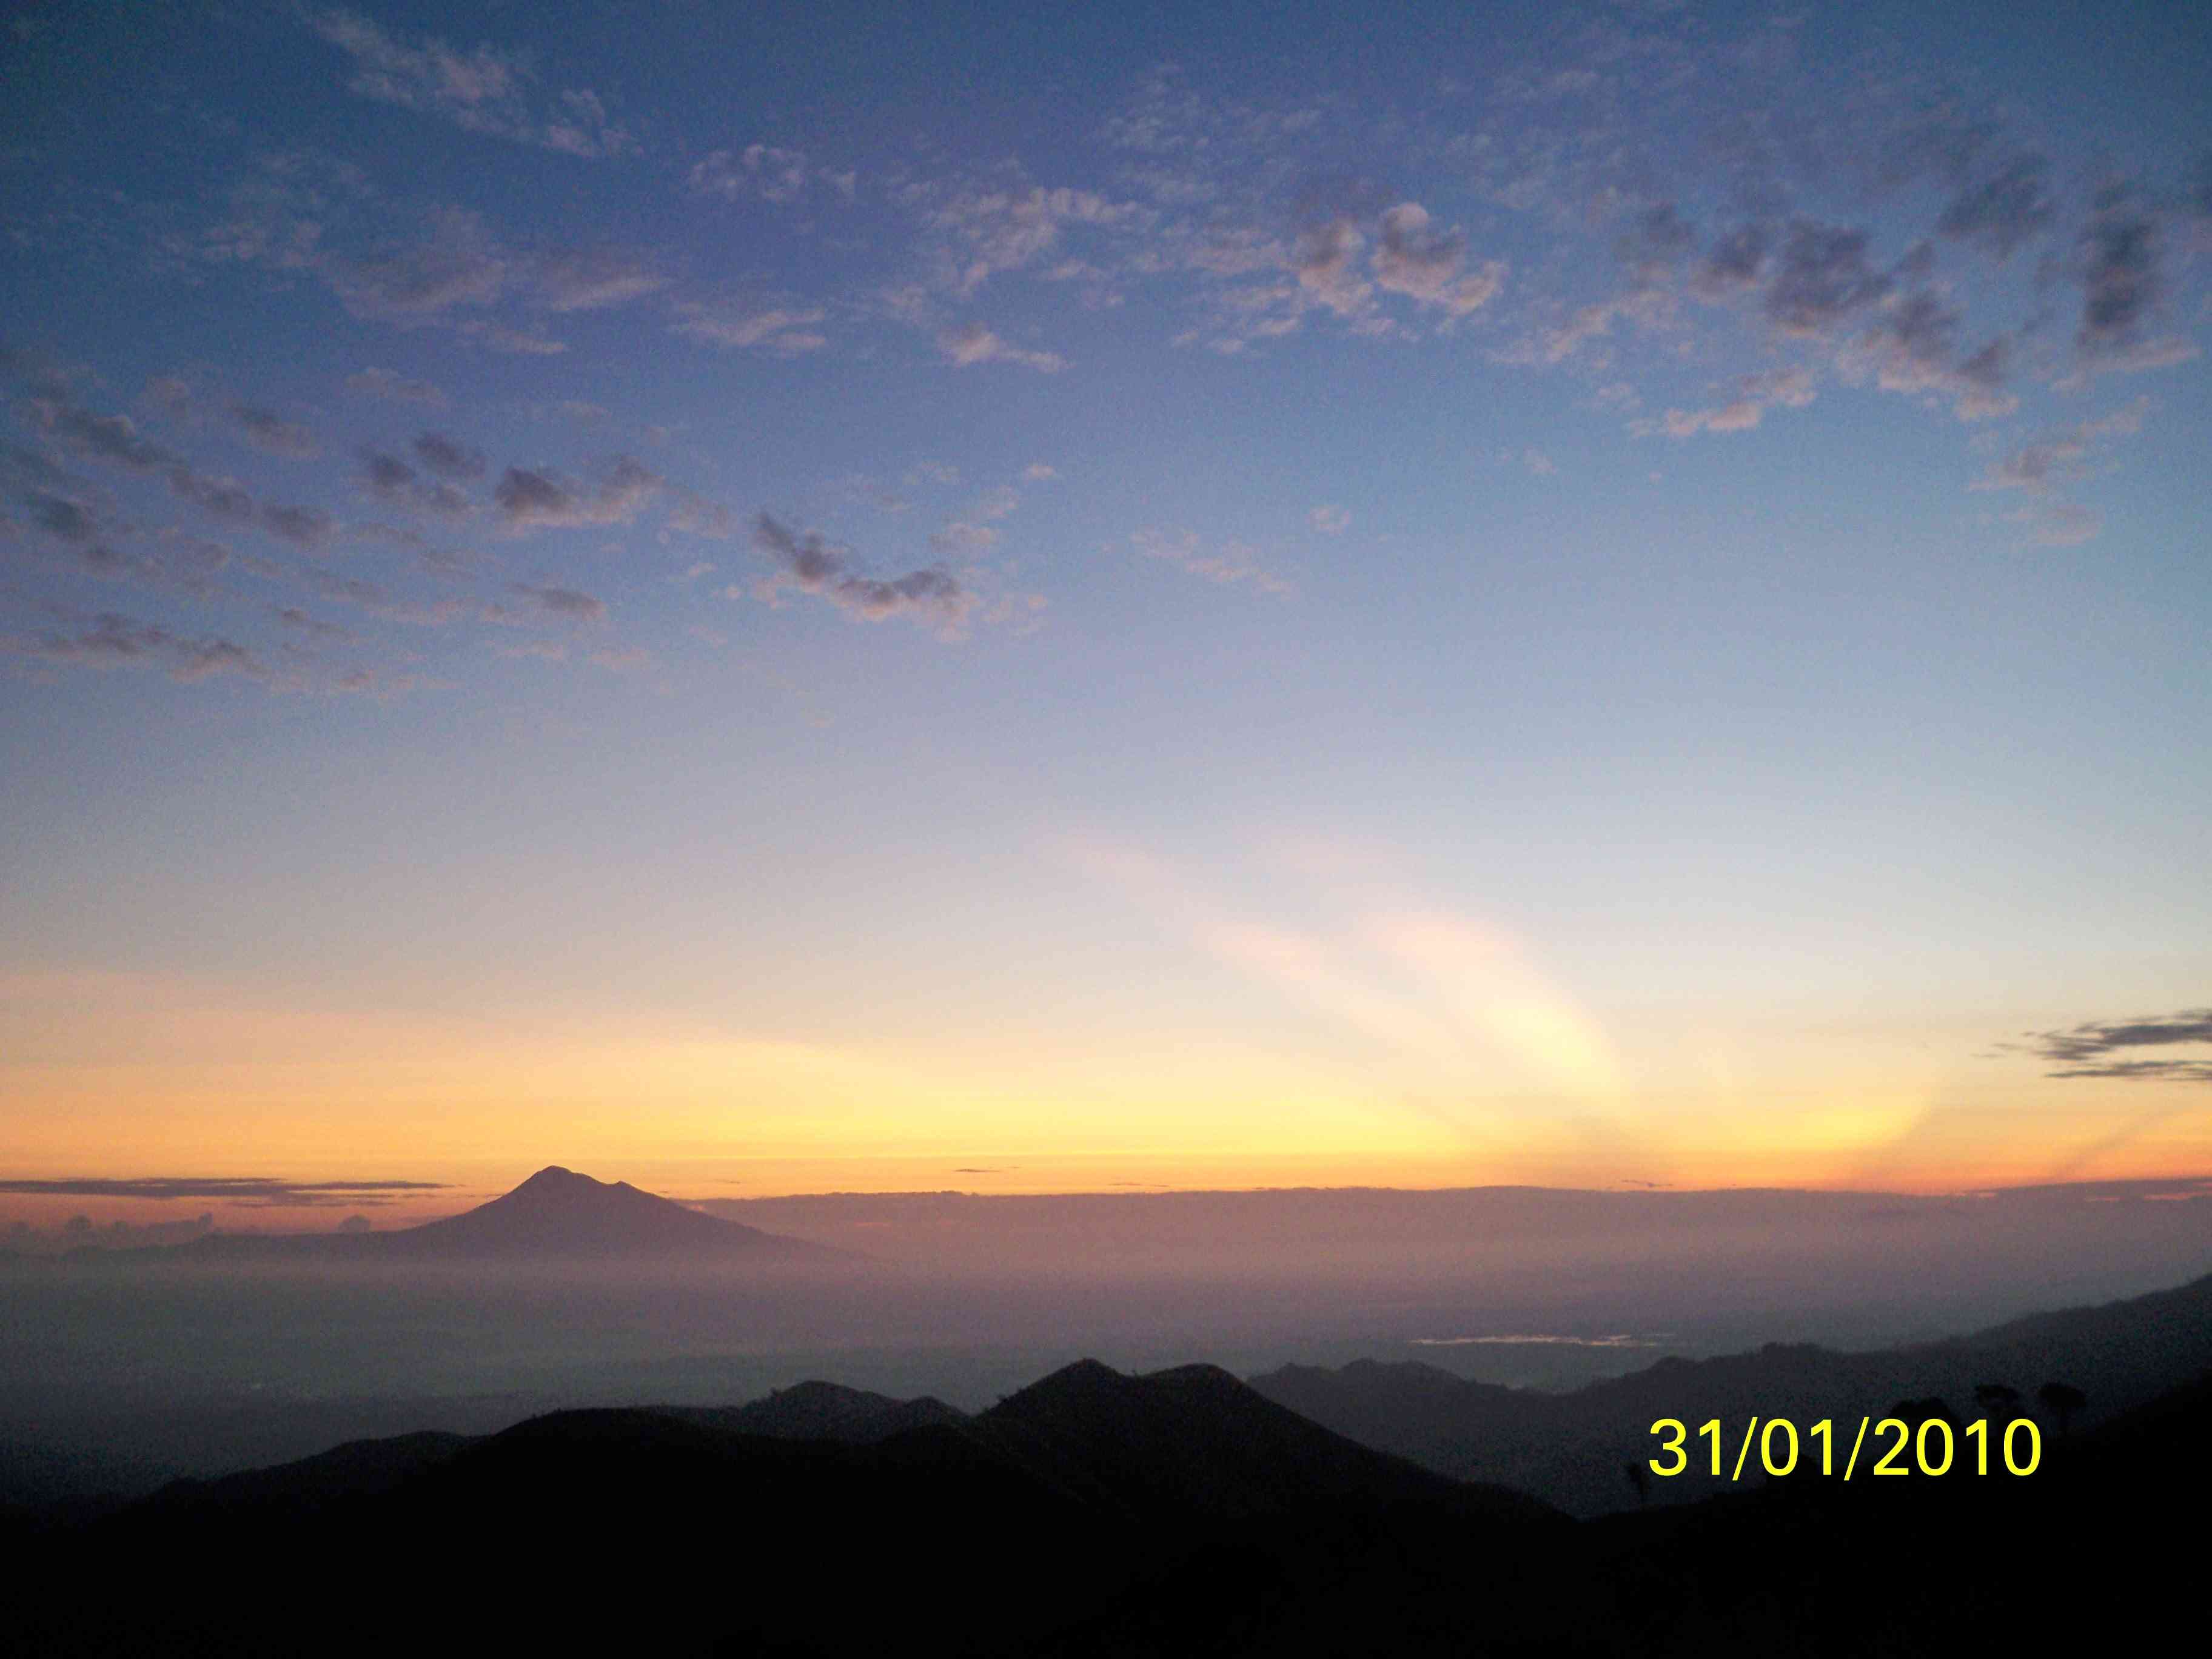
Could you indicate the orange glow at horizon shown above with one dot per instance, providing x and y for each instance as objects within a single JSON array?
[{"x": 205, "y": 1085}]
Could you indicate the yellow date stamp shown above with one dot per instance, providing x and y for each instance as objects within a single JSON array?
[{"x": 1928, "y": 1447}]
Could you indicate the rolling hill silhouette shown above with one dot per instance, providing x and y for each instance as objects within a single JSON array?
[
  {"x": 659, "y": 1526},
  {"x": 627, "y": 1529},
  {"x": 1094, "y": 1515},
  {"x": 824, "y": 1411}
]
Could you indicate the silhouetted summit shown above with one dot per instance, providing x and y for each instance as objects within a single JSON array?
[
  {"x": 1196, "y": 1441},
  {"x": 558, "y": 1212}
]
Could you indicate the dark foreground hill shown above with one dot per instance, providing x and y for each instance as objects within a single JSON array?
[
  {"x": 1096, "y": 1517},
  {"x": 1569, "y": 1448},
  {"x": 659, "y": 1529}
]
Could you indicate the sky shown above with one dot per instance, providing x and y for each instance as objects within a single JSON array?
[{"x": 765, "y": 601}]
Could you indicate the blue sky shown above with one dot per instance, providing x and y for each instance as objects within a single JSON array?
[{"x": 1580, "y": 591}]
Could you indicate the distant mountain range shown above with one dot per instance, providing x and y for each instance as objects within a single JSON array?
[
  {"x": 555, "y": 1215},
  {"x": 1569, "y": 1448}
]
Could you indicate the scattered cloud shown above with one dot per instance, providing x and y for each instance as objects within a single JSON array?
[
  {"x": 1330, "y": 521},
  {"x": 694, "y": 515},
  {"x": 2005, "y": 210},
  {"x": 2121, "y": 279},
  {"x": 566, "y": 602},
  {"x": 2164, "y": 352},
  {"x": 397, "y": 388},
  {"x": 303, "y": 526},
  {"x": 974, "y": 344},
  {"x": 2059, "y": 524},
  {"x": 449, "y": 459},
  {"x": 964, "y": 539},
  {"x": 486, "y": 90},
  {"x": 788, "y": 331},
  {"x": 2057, "y": 456},
  {"x": 306, "y": 527},
  {"x": 394, "y": 481},
  {"x": 369, "y": 598},
  {"x": 1231, "y": 563},
  {"x": 110, "y": 437},
  {"x": 1413, "y": 259},
  {"x": 989, "y": 231},
  {"x": 1326, "y": 264},
  {"x": 1656, "y": 244},
  {"x": 272, "y": 433},
  {"x": 111, "y": 641},
  {"x": 1909, "y": 348},
  {"x": 768, "y": 171},
  {"x": 1821, "y": 279},
  {"x": 809, "y": 562},
  {"x": 1789, "y": 388},
  {"x": 530, "y": 499},
  {"x": 315, "y": 627},
  {"x": 594, "y": 279},
  {"x": 513, "y": 342},
  {"x": 226, "y": 498}
]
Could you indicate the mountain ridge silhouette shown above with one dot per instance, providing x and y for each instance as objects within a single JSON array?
[
  {"x": 1569, "y": 1448},
  {"x": 642, "y": 1528}
]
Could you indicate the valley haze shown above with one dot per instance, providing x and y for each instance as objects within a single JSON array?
[{"x": 238, "y": 1348}]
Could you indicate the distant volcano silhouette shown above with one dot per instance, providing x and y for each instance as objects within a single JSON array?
[
  {"x": 555, "y": 1215},
  {"x": 558, "y": 1212}
]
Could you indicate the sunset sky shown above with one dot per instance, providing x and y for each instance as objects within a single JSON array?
[{"x": 1032, "y": 598}]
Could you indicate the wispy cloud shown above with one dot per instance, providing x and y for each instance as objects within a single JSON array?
[
  {"x": 972, "y": 344},
  {"x": 566, "y": 602},
  {"x": 768, "y": 171},
  {"x": 788, "y": 330},
  {"x": 272, "y": 433},
  {"x": 1230, "y": 563},
  {"x": 2104, "y": 1049},
  {"x": 485, "y": 90},
  {"x": 2059, "y": 456},
  {"x": 1754, "y": 394},
  {"x": 383, "y": 382}
]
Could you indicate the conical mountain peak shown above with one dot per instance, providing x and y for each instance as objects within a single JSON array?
[{"x": 559, "y": 1212}]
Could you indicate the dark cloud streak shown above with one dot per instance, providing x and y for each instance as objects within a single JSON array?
[
  {"x": 811, "y": 562},
  {"x": 2092, "y": 1049}
]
